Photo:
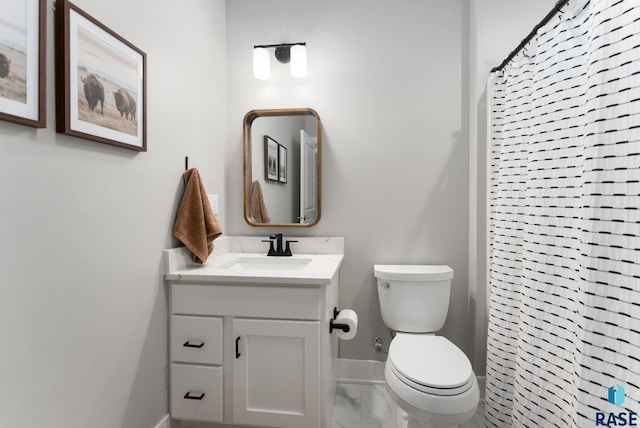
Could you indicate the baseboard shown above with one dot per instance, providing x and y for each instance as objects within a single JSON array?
[
  {"x": 360, "y": 371},
  {"x": 165, "y": 422},
  {"x": 482, "y": 384},
  {"x": 368, "y": 371}
]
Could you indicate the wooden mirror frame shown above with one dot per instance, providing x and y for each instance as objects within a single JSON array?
[{"x": 247, "y": 163}]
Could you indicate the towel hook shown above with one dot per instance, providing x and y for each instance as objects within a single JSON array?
[{"x": 186, "y": 168}]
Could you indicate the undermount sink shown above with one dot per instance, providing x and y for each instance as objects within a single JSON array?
[{"x": 266, "y": 264}]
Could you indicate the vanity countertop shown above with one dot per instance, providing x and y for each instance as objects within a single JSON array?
[{"x": 235, "y": 260}]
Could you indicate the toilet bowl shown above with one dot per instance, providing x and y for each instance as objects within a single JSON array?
[{"x": 430, "y": 379}]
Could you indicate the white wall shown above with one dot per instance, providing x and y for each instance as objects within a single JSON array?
[
  {"x": 83, "y": 321},
  {"x": 387, "y": 79},
  {"x": 83, "y": 312},
  {"x": 399, "y": 87}
]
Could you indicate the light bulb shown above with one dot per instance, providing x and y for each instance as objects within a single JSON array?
[
  {"x": 299, "y": 61},
  {"x": 261, "y": 66}
]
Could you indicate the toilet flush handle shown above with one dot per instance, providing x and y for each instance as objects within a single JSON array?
[{"x": 385, "y": 285}]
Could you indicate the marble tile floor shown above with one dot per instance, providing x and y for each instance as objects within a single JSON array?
[{"x": 371, "y": 406}]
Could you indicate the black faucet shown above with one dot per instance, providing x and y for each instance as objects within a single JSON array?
[{"x": 278, "y": 251}]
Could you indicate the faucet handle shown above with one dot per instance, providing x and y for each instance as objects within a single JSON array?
[
  {"x": 278, "y": 237},
  {"x": 272, "y": 250},
  {"x": 287, "y": 250}
]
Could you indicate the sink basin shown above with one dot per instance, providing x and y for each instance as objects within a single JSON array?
[{"x": 246, "y": 264}]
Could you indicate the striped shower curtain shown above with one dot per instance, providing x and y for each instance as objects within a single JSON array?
[{"x": 564, "y": 232}]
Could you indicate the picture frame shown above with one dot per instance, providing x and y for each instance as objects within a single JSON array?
[
  {"x": 270, "y": 159},
  {"x": 23, "y": 54},
  {"x": 282, "y": 163},
  {"x": 100, "y": 82}
]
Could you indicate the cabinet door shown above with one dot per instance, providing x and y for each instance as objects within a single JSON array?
[{"x": 277, "y": 373}]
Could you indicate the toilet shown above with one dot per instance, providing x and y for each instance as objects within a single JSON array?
[{"x": 430, "y": 379}]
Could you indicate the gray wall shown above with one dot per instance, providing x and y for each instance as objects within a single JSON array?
[
  {"x": 83, "y": 321},
  {"x": 399, "y": 87},
  {"x": 83, "y": 311},
  {"x": 388, "y": 81}
]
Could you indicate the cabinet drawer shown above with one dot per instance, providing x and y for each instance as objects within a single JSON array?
[
  {"x": 256, "y": 301},
  {"x": 196, "y": 339},
  {"x": 196, "y": 393}
]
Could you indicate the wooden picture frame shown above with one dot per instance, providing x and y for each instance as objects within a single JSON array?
[
  {"x": 282, "y": 163},
  {"x": 23, "y": 52},
  {"x": 270, "y": 159},
  {"x": 100, "y": 82}
]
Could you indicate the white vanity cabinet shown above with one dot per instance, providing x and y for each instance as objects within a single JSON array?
[
  {"x": 251, "y": 351},
  {"x": 248, "y": 354}
]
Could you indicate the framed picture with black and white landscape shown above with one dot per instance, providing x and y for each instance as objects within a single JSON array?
[
  {"x": 270, "y": 159},
  {"x": 22, "y": 62},
  {"x": 282, "y": 163},
  {"x": 100, "y": 81}
]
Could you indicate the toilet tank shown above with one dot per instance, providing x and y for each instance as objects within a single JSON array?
[{"x": 414, "y": 298}]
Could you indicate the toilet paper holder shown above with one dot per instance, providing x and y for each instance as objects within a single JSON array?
[{"x": 339, "y": 326}]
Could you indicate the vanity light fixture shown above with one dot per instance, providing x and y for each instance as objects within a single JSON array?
[{"x": 293, "y": 53}]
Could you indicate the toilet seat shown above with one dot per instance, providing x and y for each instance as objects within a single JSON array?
[
  {"x": 431, "y": 379},
  {"x": 430, "y": 364}
]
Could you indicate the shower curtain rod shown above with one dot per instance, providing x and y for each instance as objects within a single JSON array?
[{"x": 533, "y": 32}]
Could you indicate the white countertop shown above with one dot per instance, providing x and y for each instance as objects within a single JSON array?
[{"x": 322, "y": 260}]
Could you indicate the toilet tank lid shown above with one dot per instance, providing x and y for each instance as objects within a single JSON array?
[{"x": 413, "y": 272}]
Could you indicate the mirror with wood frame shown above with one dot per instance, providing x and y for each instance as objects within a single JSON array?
[{"x": 281, "y": 152}]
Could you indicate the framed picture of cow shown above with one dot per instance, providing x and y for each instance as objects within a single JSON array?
[
  {"x": 100, "y": 81},
  {"x": 22, "y": 62}
]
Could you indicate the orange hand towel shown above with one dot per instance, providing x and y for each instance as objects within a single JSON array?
[
  {"x": 196, "y": 225},
  {"x": 257, "y": 207}
]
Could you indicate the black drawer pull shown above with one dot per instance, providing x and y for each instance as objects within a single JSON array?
[
  {"x": 193, "y": 345},
  {"x": 238, "y": 347},
  {"x": 188, "y": 396}
]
